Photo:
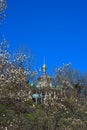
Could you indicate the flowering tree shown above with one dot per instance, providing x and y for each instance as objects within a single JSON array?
[
  {"x": 13, "y": 76},
  {"x": 2, "y": 8},
  {"x": 66, "y": 76}
]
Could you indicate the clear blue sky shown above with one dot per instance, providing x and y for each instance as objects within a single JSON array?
[{"x": 56, "y": 29}]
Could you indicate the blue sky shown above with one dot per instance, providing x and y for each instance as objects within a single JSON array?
[{"x": 56, "y": 29}]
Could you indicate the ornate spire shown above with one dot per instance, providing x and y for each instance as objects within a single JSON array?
[{"x": 44, "y": 66}]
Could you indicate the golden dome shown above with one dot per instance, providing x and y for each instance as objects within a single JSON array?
[{"x": 44, "y": 68}]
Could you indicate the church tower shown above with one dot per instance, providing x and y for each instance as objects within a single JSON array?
[{"x": 44, "y": 80}]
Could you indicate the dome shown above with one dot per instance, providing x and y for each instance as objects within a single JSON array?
[{"x": 44, "y": 66}]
